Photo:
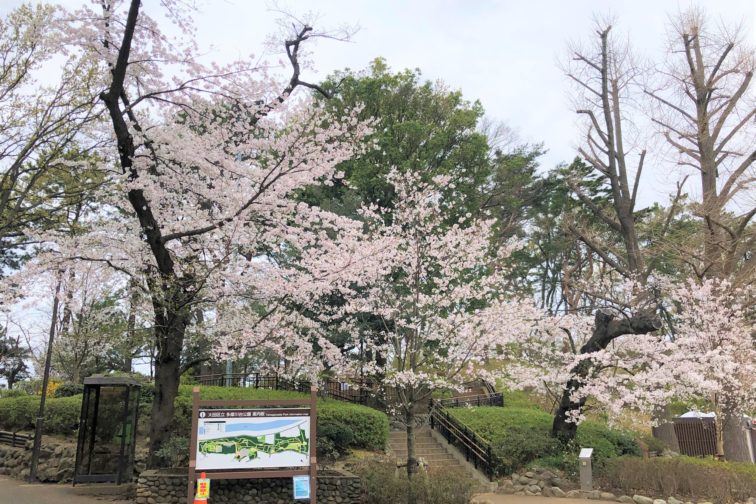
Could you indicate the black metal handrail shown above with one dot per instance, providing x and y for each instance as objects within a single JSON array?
[
  {"x": 351, "y": 392},
  {"x": 494, "y": 399},
  {"x": 475, "y": 448}
]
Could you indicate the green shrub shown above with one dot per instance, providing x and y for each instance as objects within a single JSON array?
[
  {"x": 15, "y": 392},
  {"x": 520, "y": 436},
  {"x": 654, "y": 444},
  {"x": 146, "y": 395},
  {"x": 369, "y": 427},
  {"x": 334, "y": 439},
  {"x": 61, "y": 414},
  {"x": 517, "y": 435},
  {"x": 606, "y": 443},
  {"x": 174, "y": 452},
  {"x": 18, "y": 413},
  {"x": 384, "y": 485},
  {"x": 683, "y": 477},
  {"x": 69, "y": 389}
]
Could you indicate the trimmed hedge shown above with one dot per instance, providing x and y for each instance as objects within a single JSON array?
[
  {"x": 61, "y": 414},
  {"x": 370, "y": 427},
  {"x": 520, "y": 436},
  {"x": 683, "y": 477}
]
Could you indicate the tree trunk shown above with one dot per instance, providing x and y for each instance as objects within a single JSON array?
[
  {"x": 734, "y": 438},
  {"x": 607, "y": 326},
  {"x": 411, "y": 452},
  {"x": 170, "y": 340}
]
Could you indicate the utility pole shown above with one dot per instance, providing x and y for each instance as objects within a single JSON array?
[{"x": 45, "y": 381}]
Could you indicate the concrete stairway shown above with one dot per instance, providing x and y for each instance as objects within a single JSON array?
[{"x": 434, "y": 453}]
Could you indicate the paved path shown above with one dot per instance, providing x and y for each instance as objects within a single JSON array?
[
  {"x": 19, "y": 492},
  {"x": 523, "y": 499}
]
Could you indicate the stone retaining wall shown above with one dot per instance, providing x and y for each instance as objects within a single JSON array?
[
  {"x": 56, "y": 462},
  {"x": 161, "y": 487}
]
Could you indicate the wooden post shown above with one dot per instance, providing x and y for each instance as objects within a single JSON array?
[
  {"x": 192, "y": 476},
  {"x": 313, "y": 444}
]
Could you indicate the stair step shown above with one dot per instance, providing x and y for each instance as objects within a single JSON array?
[{"x": 427, "y": 451}]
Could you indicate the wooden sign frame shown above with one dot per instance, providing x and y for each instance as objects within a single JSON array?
[{"x": 310, "y": 471}]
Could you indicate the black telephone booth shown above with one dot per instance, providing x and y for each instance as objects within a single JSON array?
[{"x": 107, "y": 430}]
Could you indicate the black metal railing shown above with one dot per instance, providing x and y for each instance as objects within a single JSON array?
[
  {"x": 476, "y": 450},
  {"x": 494, "y": 399},
  {"x": 14, "y": 439},
  {"x": 358, "y": 393}
]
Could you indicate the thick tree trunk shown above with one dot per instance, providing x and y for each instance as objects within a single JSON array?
[
  {"x": 607, "y": 326},
  {"x": 734, "y": 437},
  {"x": 171, "y": 320}
]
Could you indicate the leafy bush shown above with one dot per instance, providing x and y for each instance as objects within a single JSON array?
[
  {"x": 351, "y": 425},
  {"x": 175, "y": 451},
  {"x": 146, "y": 395},
  {"x": 61, "y": 414},
  {"x": 18, "y": 413},
  {"x": 69, "y": 389},
  {"x": 517, "y": 435},
  {"x": 384, "y": 485},
  {"x": 15, "y": 392},
  {"x": 683, "y": 477},
  {"x": 334, "y": 439},
  {"x": 520, "y": 436},
  {"x": 606, "y": 443},
  {"x": 369, "y": 427}
]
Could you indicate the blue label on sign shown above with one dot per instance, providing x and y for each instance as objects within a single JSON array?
[{"x": 301, "y": 487}]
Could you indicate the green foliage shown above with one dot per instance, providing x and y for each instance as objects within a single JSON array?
[
  {"x": 683, "y": 477},
  {"x": 521, "y": 436},
  {"x": 347, "y": 425},
  {"x": 338, "y": 435},
  {"x": 653, "y": 444},
  {"x": 18, "y": 413},
  {"x": 421, "y": 127},
  {"x": 175, "y": 451},
  {"x": 384, "y": 485},
  {"x": 606, "y": 443},
  {"x": 369, "y": 427},
  {"x": 61, "y": 414},
  {"x": 69, "y": 389},
  {"x": 14, "y": 392}
]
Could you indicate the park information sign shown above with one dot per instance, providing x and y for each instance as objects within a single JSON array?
[
  {"x": 241, "y": 439},
  {"x": 253, "y": 439}
]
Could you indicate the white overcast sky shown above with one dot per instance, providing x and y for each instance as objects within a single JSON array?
[{"x": 504, "y": 53}]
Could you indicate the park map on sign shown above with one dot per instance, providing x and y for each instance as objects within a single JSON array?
[
  {"x": 244, "y": 447},
  {"x": 253, "y": 439}
]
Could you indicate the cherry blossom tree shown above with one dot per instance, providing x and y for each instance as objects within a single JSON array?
[
  {"x": 209, "y": 158},
  {"x": 440, "y": 293},
  {"x": 41, "y": 121},
  {"x": 709, "y": 354}
]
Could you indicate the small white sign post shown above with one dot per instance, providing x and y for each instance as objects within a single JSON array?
[{"x": 586, "y": 472}]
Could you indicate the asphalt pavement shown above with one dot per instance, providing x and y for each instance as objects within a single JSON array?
[{"x": 19, "y": 492}]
